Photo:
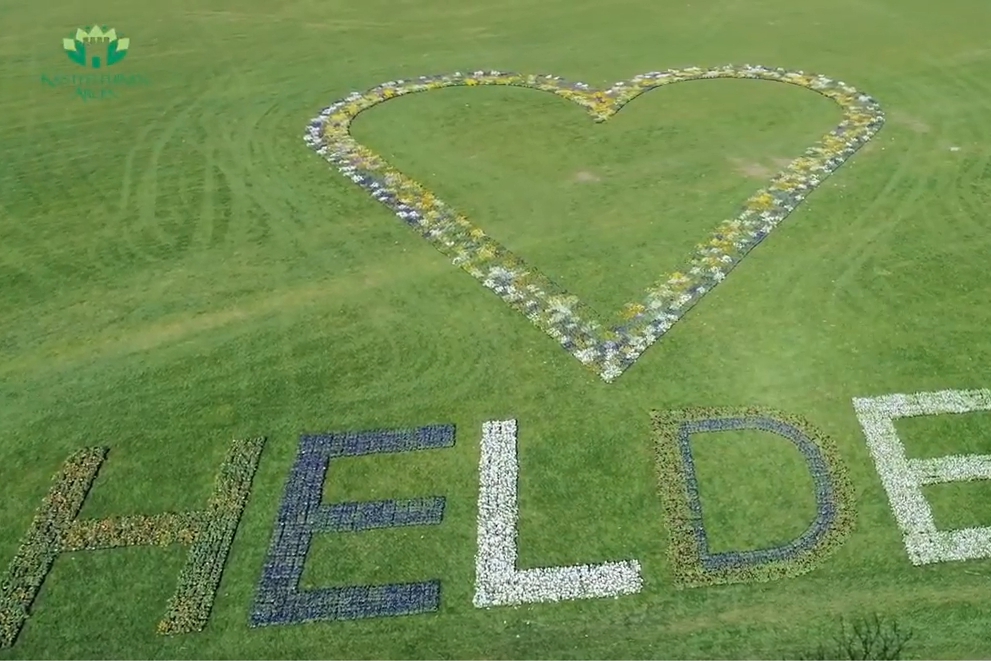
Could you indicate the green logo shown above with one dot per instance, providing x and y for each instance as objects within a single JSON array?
[{"x": 96, "y": 46}]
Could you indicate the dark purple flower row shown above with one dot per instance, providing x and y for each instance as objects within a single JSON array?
[
  {"x": 825, "y": 504},
  {"x": 302, "y": 514}
]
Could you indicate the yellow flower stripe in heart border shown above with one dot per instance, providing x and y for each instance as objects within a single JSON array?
[{"x": 608, "y": 350}]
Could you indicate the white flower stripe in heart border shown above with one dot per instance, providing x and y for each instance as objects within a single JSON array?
[{"x": 608, "y": 350}]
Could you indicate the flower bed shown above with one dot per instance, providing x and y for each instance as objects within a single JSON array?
[
  {"x": 903, "y": 478},
  {"x": 497, "y": 581},
  {"x": 302, "y": 514},
  {"x": 608, "y": 349},
  {"x": 693, "y": 563},
  {"x": 209, "y": 534}
]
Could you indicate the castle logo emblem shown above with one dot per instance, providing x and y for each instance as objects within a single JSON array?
[{"x": 96, "y": 47}]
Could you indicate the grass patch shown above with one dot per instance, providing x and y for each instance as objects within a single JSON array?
[
  {"x": 385, "y": 476},
  {"x": 610, "y": 207},
  {"x": 756, "y": 491},
  {"x": 940, "y": 435},
  {"x": 960, "y": 504},
  {"x": 373, "y": 557}
]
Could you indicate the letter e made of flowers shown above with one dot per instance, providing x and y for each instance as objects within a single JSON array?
[{"x": 903, "y": 478}]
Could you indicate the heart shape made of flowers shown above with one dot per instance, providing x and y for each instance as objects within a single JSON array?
[{"x": 607, "y": 349}]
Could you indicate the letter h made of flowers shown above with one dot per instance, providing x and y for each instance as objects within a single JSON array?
[
  {"x": 280, "y": 600},
  {"x": 56, "y": 529}
]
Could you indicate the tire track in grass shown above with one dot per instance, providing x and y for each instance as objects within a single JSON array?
[
  {"x": 897, "y": 198},
  {"x": 148, "y": 236},
  {"x": 833, "y": 279},
  {"x": 902, "y": 243},
  {"x": 949, "y": 226},
  {"x": 229, "y": 206},
  {"x": 127, "y": 178},
  {"x": 891, "y": 208},
  {"x": 190, "y": 185},
  {"x": 836, "y": 250},
  {"x": 274, "y": 166},
  {"x": 182, "y": 199},
  {"x": 968, "y": 212},
  {"x": 261, "y": 152},
  {"x": 263, "y": 180},
  {"x": 951, "y": 266},
  {"x": 62, "y": 352},
  {"x": 419, "y": 303},
  {"x": 219, "y": 202},
  {"x": 178, "y": 203},
  {"x": 121, "y": 243},
  {"x": 882, "y": 213},
  {"x": 205, "y": 212},
  {"x": 214, "y": 210}
]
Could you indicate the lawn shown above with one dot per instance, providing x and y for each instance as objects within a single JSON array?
[{"x": 178, "y": 269}]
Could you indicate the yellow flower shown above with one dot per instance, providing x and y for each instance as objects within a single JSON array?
[
  {"x": 761, "y": 202},
  {"x": 632, "y": 310}
]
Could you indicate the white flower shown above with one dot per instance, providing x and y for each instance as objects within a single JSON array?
[
  {"x": 497, "y": 580},
  {"x": 903, "y": 478}
]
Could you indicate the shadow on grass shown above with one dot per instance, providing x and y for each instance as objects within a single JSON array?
[{"x": 873, "y": 637}]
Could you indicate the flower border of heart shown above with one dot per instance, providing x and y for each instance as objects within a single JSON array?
[
  {"x": 693, "y": 565},
  {"x": 607, "y": 351}
]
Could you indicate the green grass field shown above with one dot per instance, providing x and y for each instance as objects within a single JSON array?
[{"x": 177, "y": 269}]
